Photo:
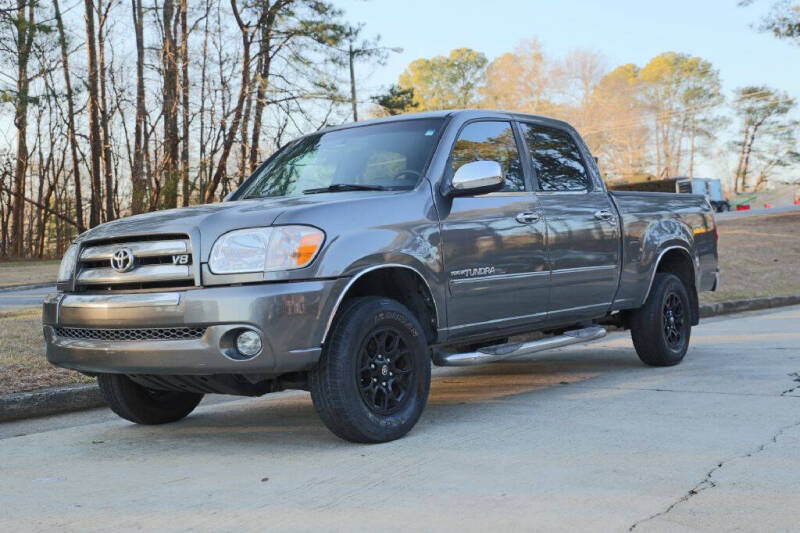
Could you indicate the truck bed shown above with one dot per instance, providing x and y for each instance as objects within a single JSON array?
[{"x": 651, "y": 222}]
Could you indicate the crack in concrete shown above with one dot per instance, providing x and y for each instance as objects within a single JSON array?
[
  {"x": 795, "y": 377},
  {"x": 577, "y": 385},
  {"x": 707, "y": 482}
]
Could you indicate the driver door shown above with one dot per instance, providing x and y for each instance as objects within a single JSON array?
[{"x": 494, "y": 244}]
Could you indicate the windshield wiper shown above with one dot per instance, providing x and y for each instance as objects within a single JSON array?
[{"x": 340, "y": 187}]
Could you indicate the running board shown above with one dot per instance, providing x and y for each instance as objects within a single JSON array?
[{"x": 499, "y": 352}]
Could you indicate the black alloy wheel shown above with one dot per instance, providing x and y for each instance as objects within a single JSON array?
[
  {"x": 373, "y": 377},
  {"x": 385, "y": 371},
  {"x": 673, "y": 318}
]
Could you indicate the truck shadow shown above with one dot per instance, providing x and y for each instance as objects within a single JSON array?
[{"x": 458, "y": 395}]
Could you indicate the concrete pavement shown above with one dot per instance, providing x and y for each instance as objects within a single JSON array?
[{"x": 584, "y": 438}]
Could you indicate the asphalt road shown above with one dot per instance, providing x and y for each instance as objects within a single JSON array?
[
  {"x": 757, "y": 212},
  {"x": 584, "y": 438},
  {"x": 15, "y": 298}
]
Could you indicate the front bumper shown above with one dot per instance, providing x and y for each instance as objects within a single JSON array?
[{"x": 291, "y": 318}]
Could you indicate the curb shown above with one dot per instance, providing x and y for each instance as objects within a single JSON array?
[
  {"x": 49, "y": 402},
  {"x": 750, "y": 304},
  {"x": 56, "y": 400},
  {"x": 12, "y": 288}
]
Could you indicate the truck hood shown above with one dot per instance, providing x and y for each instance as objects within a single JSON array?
[{"x": 204, "y": 223}]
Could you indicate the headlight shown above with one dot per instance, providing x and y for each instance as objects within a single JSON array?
[
  {"x": 265, "y": 249},
  {"x": 68, "y": 262}
]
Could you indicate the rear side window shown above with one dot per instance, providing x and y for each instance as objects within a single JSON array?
[
  {"x": 491, "y": 141},
  {"x": 556, "y": 159}
]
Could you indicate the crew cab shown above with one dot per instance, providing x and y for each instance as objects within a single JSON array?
[{"x": 357, "y": 255}]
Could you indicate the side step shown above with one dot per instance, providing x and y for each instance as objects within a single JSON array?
[{"x": 491, "y": 354}]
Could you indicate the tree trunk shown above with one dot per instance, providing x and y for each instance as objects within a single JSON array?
[
  {"x": 104, "y": 118},
  {"x": 138, "y": 178},
  {"x": 746, "y": 164},
  {"x": 264, "y": 64},
  {"x": 170, "y": 115},
  {"x": 244, "y": 156},
  {"x": 95, "y": 141},
  {"x": 73, "y": 138},
  {"x": 203, "y": 168},
  {"x": 24, "y": 43},
  {"x": 737, "y": 176},
  {"x": 186, "y": 190},
  {"x": 691, "y": 149},
  {"x": 237, "y": 114}
]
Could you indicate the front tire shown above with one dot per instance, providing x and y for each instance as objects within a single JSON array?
[
  {"x": 661, "y": 328},
  {"x": 372, "y": 381},
  {"x": 143, "y": 405}
]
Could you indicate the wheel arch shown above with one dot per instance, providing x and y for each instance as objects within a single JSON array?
[
  {"x": 401, "y": 282},
  {"x": 678, "y": 260}
]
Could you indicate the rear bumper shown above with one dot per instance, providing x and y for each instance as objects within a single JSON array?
[{"x": 290, "y": 317}]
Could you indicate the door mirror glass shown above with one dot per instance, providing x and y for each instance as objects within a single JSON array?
[{"x": 477, "y": 177}]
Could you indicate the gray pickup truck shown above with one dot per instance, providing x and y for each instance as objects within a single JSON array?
[{"x": 356, "y": 255}]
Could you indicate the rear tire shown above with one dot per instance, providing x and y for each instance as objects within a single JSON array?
[
  {"x": 661, "y": 328},
  {"x": 143, "y": 405},
  {"x": 372, "y": 381}
]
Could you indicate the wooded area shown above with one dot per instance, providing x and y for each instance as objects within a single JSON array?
[
  {"x": 119, "y": 107},
  {"x": 127, "y": 106},
  {"x": 654, "y": 120}
]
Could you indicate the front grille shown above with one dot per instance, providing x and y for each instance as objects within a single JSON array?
[
  {"x": 136, "y": 334},
  {"x": 153, "y": 262}
]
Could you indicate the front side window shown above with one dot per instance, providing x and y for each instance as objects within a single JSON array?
[
  {"x": 390, "y": 156},
  {"x": 556, "y": 159},
  {"x": 490, "y": 141}
]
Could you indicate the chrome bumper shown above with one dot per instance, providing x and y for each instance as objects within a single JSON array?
[{"x": 290, "y": 317}]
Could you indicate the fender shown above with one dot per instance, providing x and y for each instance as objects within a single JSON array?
[
  {"x": 661, "y": 254},
  {"x": 340, "y": 297}
]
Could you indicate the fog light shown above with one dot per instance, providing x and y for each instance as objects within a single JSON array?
[{"x": 248, "y": 343}]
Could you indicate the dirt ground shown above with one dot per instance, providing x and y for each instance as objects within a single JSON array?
[
  {"x": 759, "y": 256},
  {"x": 23, "y": 365},
  {"x": 27, "y": 272}
]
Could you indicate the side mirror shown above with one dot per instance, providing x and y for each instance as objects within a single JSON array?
[{"x": 477, "y": 177}]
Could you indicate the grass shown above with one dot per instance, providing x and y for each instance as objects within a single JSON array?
[
  {"x": 758, "y": 256},
  {"x": 27, "y": 272},
  {"x": 23, "y": 365}
]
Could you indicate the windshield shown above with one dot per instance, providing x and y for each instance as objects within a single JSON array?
[{"x": 389, "y": 156}]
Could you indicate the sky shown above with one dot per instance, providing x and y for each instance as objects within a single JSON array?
[{"x": 625, "y": 31}]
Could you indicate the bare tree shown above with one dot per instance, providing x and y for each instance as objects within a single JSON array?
[
  {"x": 185, "y": 119},
  {"x": 246, "y": 31},
  {"x": 73, "y": 137},
  {"x": 108, "y": 178},
  {"x": 138, "y": 179},
  {"x": 169, "y": 60},
  {"x": 25, "y": 22},
  {"x": 95, "y": 139}
]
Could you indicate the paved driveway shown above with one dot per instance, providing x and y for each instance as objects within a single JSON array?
[{"x": 584, "y": 438}]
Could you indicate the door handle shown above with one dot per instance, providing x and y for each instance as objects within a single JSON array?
[
  {"x": 527, "y": 218},
  {"x": 604, "y": 214}
]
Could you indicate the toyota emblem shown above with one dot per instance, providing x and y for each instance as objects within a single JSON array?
[{"x": 122, "y": 260}]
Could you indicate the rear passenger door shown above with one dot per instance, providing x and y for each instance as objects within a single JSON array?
[
  {"x": 493, "y": 243},
  {"x": 582, "y": 226}
]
